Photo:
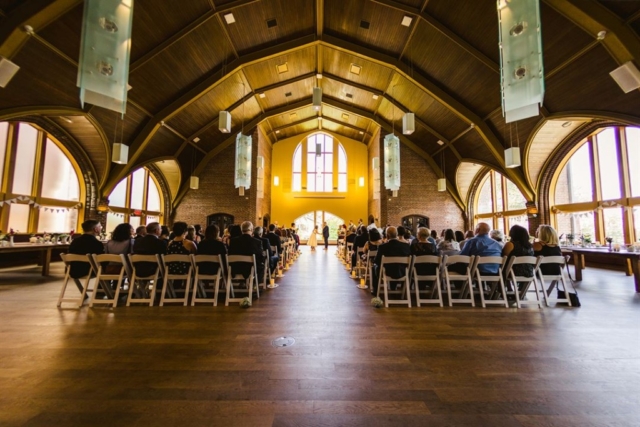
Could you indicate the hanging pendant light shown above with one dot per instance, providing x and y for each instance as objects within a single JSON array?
[
  {"x": 442, "y": 182},
  {"x": 317, "y": 98},
  {"x": 408, "y": 123},
  {"x": 512, "y": 154},
  {"x": 392, "y": 162},
  {"x": 224, "y": 122},
  {"x": 120, "y": 153},
  {"x": 194, "y": 182}
]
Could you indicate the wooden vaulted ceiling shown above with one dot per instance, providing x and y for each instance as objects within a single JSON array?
[{"x": 188, "y": 64}]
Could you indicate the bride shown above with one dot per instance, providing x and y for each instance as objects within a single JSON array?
[{"x": 313, "y": 239}]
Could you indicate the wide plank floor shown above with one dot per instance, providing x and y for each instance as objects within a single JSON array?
[{"x": 351, "y": 365}]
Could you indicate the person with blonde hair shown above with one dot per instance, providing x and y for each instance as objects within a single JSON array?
[{"x": 547, "y": 244}]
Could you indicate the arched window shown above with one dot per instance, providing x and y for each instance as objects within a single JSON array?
[
  {"x": 597, "y": 187},
  {"x": 136, "y": 199},
  {"x": 324, "y": 167},
  {"x": 500, "y": 203},
  {"x": 39, "y": 184}
]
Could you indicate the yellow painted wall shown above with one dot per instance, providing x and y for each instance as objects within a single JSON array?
[{"x": 286, "y": 205}]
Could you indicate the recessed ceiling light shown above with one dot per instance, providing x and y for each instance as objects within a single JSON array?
[
  {"x": 440, "y": 142},
  {"x": 345, "y": 116},
  {"x": 293, "y": 116},
  {"x": 361, "y": 132},
  {"x": 272, "y": 23},
  {"x": 66, "y": 119},
  {"x": 319, "y": 76},
  {"x": 196, "y": 139},
  {"x": 288, "y": 94},
  {"x": 375, "y": 96},
  {"x": 348, "y": 95},
  {"x": 365, "y": 24},
  {"x": 262, "y": 95},
  {"x": 355, "y": 69},
  {"x": 277, "y": 131},
  {"x": 320, "y": 118},
  {"x": 229, "y": 18},
  {"x": 567, "y": 124},
  {"x": 406, "y": 21},
  {"x": 282, "y": 68}
]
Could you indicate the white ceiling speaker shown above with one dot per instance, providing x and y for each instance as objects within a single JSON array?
[
  {"x": 627, "y": 76},
  {"x": 7, "y": 70}
]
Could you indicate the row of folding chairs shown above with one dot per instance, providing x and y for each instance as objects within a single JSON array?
[
  {"x": 140, "y": 276},
  {"x": 462, "y": 279}
]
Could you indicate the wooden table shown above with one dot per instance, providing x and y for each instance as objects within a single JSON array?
[
  {"x": 632, "y": 259},
  {"x": 44, "y": 248}
]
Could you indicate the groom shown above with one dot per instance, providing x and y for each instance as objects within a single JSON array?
[{"x": 325, "y": 234}]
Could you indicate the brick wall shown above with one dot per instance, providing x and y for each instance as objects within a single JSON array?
[
  {"x": 217, "y": 193},
  {"x": 418, "y": 194}
]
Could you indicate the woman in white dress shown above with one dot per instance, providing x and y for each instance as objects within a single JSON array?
[{"x": 313, "y": 239}]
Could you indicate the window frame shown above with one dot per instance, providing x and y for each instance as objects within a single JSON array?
[
  {"x": 499, "y": 218},
  {"x": 6, "y": 183},
  {"x": 625, "y": 203},
  {"x": 127, "y": 211},
  {"x": 302, "y": 149}
]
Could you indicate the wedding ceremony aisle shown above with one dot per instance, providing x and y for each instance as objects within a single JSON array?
[{"x": 350, "y": 364}]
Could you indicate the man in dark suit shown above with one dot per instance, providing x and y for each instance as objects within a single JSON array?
[
  {"x": 393, "y": 248},
  {"x": 150, "y": 244},
  {"x": 88, "y": 243},
  {"x": 141, "y": 232},
  {"x": 211, "y": 245},
  {"x": 246, "y": 244},
  {"x": 266, "y": 246},
  {"x": 325, "y": 234},
  {"x": 274, "y": 239},
  {"x": 362, "y": 238}
]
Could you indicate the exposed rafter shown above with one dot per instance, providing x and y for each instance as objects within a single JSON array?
[{"x": 444, "y": 30}]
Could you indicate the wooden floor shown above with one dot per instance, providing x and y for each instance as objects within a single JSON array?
[{"x": 351, "y": 365}]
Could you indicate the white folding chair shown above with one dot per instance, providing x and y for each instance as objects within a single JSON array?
[
  {"x": 489, "y": 296},
  {"x": 203, "y": 265},
  {"x": 360, "y": 263},
  {"x": 76, "y": 260},
  {"x": 248, "y": 284},
  {"x": 347, "y": 256},
  {"x": 465, "y": 278},
  {"x": 521, "y": 284},
  {"x": 554, "y": 279},
  {"x": 144, "y": 286},
  {"x": 385, "y": 281},
  {"x": 435, "y": 290},
  {"x": 169, "y": 278},
  {"x": 103, "y": 279},
  {"x": 368, "y": 272},
  {"x": 263, "y": 281}
]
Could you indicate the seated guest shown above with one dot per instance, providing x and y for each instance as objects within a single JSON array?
[
  {"x": 434, "y": 237},
  {"x": 393, "y": 248},
  {"x": 408, "y": 237},
  {"x": 483, "y": 245},
  {"x": 459, "y": 236},
  {"x": 375, "y": 240},
  {"x": 518, "y": 245},
  {"x": 141, "y": 231},
  {"x": 180, "y": 245},
  {"x": 274, "y": 239},
  {"x": 86, "y": 244},
  {"x": 448, "y": 245},
  {"x": 246, "y": 244},
  {"x": 372, "y": 223},
  {"x": 422, "y": 246},
  {"x": 548, "y": 244},
  {"x": 266, "y": 247},
  {"x": 212, "y": 245},
  {"x": 498, "y": 236},
  {"x": 362, "y": 237},
  {"x": 191, "y": 234},
  {"x": 467, "y": 236},
  {"x": 199, "y": 235},
  {"x": 401, "y": 233},
  {"x": 121, "y": 241},
  {"x": 150, "y": 244},
  {"x": 165, "y": 234}
]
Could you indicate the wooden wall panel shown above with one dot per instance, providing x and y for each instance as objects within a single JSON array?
[{"x": 299, "y": 90}]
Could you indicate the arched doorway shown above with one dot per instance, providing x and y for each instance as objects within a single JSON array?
[
  {"x": 413, "y": 222},
  {"x": 306, "y": 222},
  {"x": 222, "y": 220}
]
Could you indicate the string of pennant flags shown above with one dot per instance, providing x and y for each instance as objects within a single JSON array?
[
  {"x": 38, "y": 206},
  {"x": 601, "y": 206}
]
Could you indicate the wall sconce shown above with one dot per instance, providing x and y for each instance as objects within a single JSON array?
[
  {"x": 276, "y": 181},
  {"x": 361, "y": 181},
  {"x": 103, "y": 206},
  {"x": 532, "y": 211}
]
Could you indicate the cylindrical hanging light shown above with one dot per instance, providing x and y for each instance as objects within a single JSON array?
[
  {"x": 243, "y": 162},
  {"x": 317, "y": 98},
  {"x": 408, "y": 123},
  {"x": 442, "y": 184},
  {"x": 120, "y": 153},
  {"x": 318, "y": 149},
  {"x": 194, "y": 182},
  {"x": 512, "y": 157},
  {"x": 392, "y": 162},
  {"x": 224, "y": 122}
]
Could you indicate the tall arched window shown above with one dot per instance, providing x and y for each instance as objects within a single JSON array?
[
  {"x": 500, "y": 203},
  {"x": 324, "y": 167},
  {"x": 39, "y": 184},
  {"x": 597, "y": 188},
  {"x": 136, "y": 199}
]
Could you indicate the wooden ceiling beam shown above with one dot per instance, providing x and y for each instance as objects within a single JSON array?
[
  {"x": 37, "y": 14},
  {"x": 352, "y": 83},
  {"x": 341, "y": 123},
  {"x": 319, "y": 17},
  {"x": 142, "y": 139},
  {"x": 188, "y": 29},
  {"x": 444, "y": 30},
  {"x": 449, "y": 101},
  {"x": 621, "y": 41}
]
